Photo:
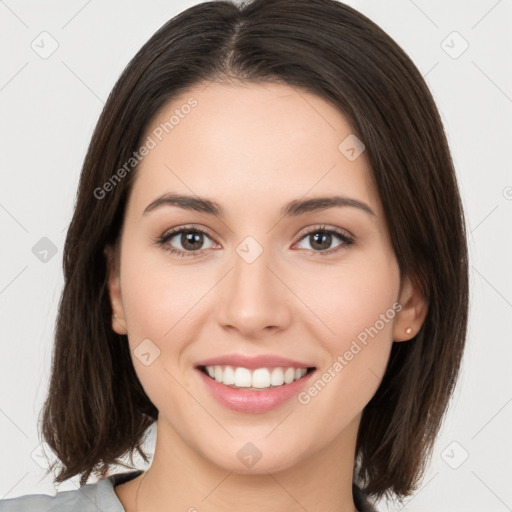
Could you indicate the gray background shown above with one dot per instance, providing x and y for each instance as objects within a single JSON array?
[{"x": 49, "y": 109}]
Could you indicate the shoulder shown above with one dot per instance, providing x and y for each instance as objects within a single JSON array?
[
  {"x": 82, "y": 499},
  {"x": 89, "y": 497}
]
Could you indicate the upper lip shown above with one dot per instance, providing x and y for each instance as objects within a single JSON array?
[{"x": 252, "y": 363}]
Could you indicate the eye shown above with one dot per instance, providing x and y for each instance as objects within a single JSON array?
[
  {"x": 189, "y": 241},
  {"x": 321, "y": 238}
]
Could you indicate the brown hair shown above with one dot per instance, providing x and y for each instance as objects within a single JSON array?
[{"x": 96, "y": 410}]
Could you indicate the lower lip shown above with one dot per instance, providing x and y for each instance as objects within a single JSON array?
[{"x": 253, "y": 402}]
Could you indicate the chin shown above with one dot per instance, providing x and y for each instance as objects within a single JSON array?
[{"x": 258, "y": 458}]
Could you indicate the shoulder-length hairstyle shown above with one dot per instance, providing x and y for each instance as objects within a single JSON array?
[{"x": 96, "y": 410}]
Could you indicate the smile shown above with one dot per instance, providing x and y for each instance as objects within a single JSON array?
[
  {"x": 257, "y": 379},
  {"x": 253, "y": 391}
]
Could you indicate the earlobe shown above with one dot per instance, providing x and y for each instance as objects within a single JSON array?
[
  {"x": 410, "y": 318},
  {"x": 114, "y": 290}
]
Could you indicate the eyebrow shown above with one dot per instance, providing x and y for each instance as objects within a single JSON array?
[{"x": 292, "y": 209}]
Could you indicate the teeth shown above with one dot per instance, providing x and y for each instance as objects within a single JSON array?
[
  {"x": 289, "y": 375},
  {"x": 242, "y": 377},
  {"x": 262, "y": 378},
  {"x": 277, "y": 377},
  {"x": 228, "y": 376}
]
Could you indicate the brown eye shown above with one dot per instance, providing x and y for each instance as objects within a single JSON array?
[
  {"x": 191, "y": 240},
  {"x": 321, "y": 239},
  {"x": 185, "y": 241}
]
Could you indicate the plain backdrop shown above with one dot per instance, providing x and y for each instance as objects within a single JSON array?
[{"x": 49, "y": 107}]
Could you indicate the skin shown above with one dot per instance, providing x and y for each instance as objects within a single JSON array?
[{"x": 253, "y": 148}]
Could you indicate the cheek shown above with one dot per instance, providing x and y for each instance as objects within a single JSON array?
[
  {"x": 164, "y": 306},
  {"x": 350, "y": 299},
  {"x": 359, "y": 306},
  {"x": 157, "y": 294},
  {"x": 158, "y": 303}
]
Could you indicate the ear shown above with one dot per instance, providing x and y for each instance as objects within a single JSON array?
[
  {"x": 410, "y": 318},
  {"x": 114, "y": 290}
]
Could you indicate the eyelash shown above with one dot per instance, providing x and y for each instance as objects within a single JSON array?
[{"x": 162, "y": 241}]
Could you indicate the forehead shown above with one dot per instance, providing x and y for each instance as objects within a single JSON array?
[{"x": 259, "y": 144}]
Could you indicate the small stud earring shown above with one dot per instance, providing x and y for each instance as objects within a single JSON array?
[
  {"x": 408, "y": 330},
  {"x": 115, "y": 316}
]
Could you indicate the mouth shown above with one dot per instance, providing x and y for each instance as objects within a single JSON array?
[
  {"x": 254, "y": 384},
  {"x": 258, "y": 379}
]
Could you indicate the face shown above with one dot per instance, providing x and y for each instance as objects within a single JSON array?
[{"x": 318, "y": 286}]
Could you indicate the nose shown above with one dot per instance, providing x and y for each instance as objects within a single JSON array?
[{"x": 254, "y": 300}]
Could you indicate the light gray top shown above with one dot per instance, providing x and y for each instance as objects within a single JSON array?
[
  {"x": 97, "y": 497},
  {"x": 101, "y": 497}
]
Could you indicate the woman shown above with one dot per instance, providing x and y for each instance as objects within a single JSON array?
[{"x": 268, "y": 258}]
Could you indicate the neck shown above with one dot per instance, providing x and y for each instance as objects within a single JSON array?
[{"x": 181, "y": 479}]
